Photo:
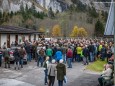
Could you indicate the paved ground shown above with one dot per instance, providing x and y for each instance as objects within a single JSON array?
[{"x": 31, "y": 75}]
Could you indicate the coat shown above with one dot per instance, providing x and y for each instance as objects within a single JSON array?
[
  {"x": 16, "y": 55},
  {"x": 58, "y": 55},
  {"x": 61, "y": 71},
  {"x": 51, "y": 69}
]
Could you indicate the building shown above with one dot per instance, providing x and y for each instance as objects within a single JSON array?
[{"x": 11, "y": 34}]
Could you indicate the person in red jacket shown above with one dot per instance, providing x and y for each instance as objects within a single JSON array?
[{"x": 69, "y": 57}]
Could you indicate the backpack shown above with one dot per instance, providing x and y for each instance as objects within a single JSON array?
[{"x": 45, "y": 65}]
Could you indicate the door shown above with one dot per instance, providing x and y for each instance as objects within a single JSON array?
[
  {"x": 34, "y": 37},
  {"x": 16, "y": 39},
  {"x": 8, "y": 40},
  {"x": 29, "y": 37}
]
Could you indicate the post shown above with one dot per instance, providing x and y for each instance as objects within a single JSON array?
[{"x": 114, "y": 40}]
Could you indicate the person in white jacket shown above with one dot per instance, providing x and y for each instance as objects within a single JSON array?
[{"x": 106, "y": 74}]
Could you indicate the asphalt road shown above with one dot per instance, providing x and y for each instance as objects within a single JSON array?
[{"x": 31, "y": 75}]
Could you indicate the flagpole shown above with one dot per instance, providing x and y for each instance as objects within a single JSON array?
[{"x": 114, "y": 40}]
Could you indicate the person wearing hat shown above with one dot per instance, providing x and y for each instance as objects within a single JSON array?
[
  {"x": 51, "y": 73},
  {"x": 61, "y": 72}
]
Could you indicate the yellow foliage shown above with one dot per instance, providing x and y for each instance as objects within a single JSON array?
[
  {"x": 56, "y": 31},
  {"x": 74, "y": 32},
  {"x": 82, "y": 32},
  {"x": 41, "y": 30}
]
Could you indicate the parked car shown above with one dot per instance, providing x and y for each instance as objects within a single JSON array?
[{"x": 11, "y": 51}]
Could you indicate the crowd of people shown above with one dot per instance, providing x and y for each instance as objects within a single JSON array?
[{"x": 54, "y": 54}]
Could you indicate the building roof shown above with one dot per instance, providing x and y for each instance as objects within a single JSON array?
[{"x": 17, "y": 30}]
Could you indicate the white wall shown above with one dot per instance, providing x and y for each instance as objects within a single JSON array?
[
  {"x": 12, "y": 38},
  {"x": 26, "y": 37},
  {"x": 32, "y": 37},
  {"x": 37, "y": 36},
  {"x": 3, "y": 39}
]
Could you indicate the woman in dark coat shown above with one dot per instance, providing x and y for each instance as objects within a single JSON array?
[
  {"x": 16, "y": 58},
  {"x": 61, "y": 72}
]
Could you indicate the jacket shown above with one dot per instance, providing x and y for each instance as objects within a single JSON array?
[
  {"x": 78, "y": 49},
  {"x": 51, "y": 69},
  {"x": 49, "y": 52},
  {"x": 85, "y": 52},
  {"x": 6, "y": 54},
  {"x": 61, "y": 71},
  {"x": 58, "y": 55},
  {"x": 16, "y": 55},
  {"x": 69, "y": 54},
  {"x": 107, "y": 73}
]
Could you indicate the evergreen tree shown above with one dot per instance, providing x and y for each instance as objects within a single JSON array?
[
  {"x": 99, "y": 28},
  {"x": 11, "y": 14}
]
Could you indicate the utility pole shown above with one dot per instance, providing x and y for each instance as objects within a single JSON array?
[{"x": 114, "y": 40}]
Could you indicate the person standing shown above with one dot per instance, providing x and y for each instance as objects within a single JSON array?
[
  {"x": 28, "y": 51},
  {"x": 46, "y": 62},
  {"x": 78, "y": 50},
  {"x": 16, "y": 59},
  {"x": 51, "y": 73},
  {"x": 6, "y": 56},
  {"x": 61, "y": 72},
  {"x": 58, "y": 55},
  {"x": 22, "y": 53},
  {"x": 49, "y": 52},
  {"x": 41, "y": 57},
  {"x": 85, "y": 55},
  {"x": 69, "y": 57},
  {"x": 1, "y": 57}
]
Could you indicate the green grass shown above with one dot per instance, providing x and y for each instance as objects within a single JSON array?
[{"x": 96, "y": 66}]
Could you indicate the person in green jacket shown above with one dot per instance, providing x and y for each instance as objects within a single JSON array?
[{"x": 49, "y": 52}]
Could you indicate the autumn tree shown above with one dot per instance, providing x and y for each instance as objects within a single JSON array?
[
  {"x": 56, "y": 31},
  {"x": 74, "y": 32},
  {"x": 41, "y": 30},
  {"x": 82, "y": 32}
]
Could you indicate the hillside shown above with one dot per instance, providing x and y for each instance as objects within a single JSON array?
[{"x": 36, "y": 14}]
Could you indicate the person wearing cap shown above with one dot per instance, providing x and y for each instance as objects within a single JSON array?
[
  {"x": 61, "y": 72},
  {"x": 51, "y": 73}
]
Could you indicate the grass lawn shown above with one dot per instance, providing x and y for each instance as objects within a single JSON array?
[{"x": 96, "y": 66}]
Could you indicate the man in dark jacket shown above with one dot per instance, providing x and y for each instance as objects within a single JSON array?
[
  {"x": 103, "y": 53},
  {"x": 0, "y": 57},
  {"x": 16, "y": 58},
  {"x": 85, "y": 55},
  {"x": 6, "y": 56},
  {"x": 28, "y": 51},
  {"x": 91, "y": 51},
  {"x": 61, "y": 72}
]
